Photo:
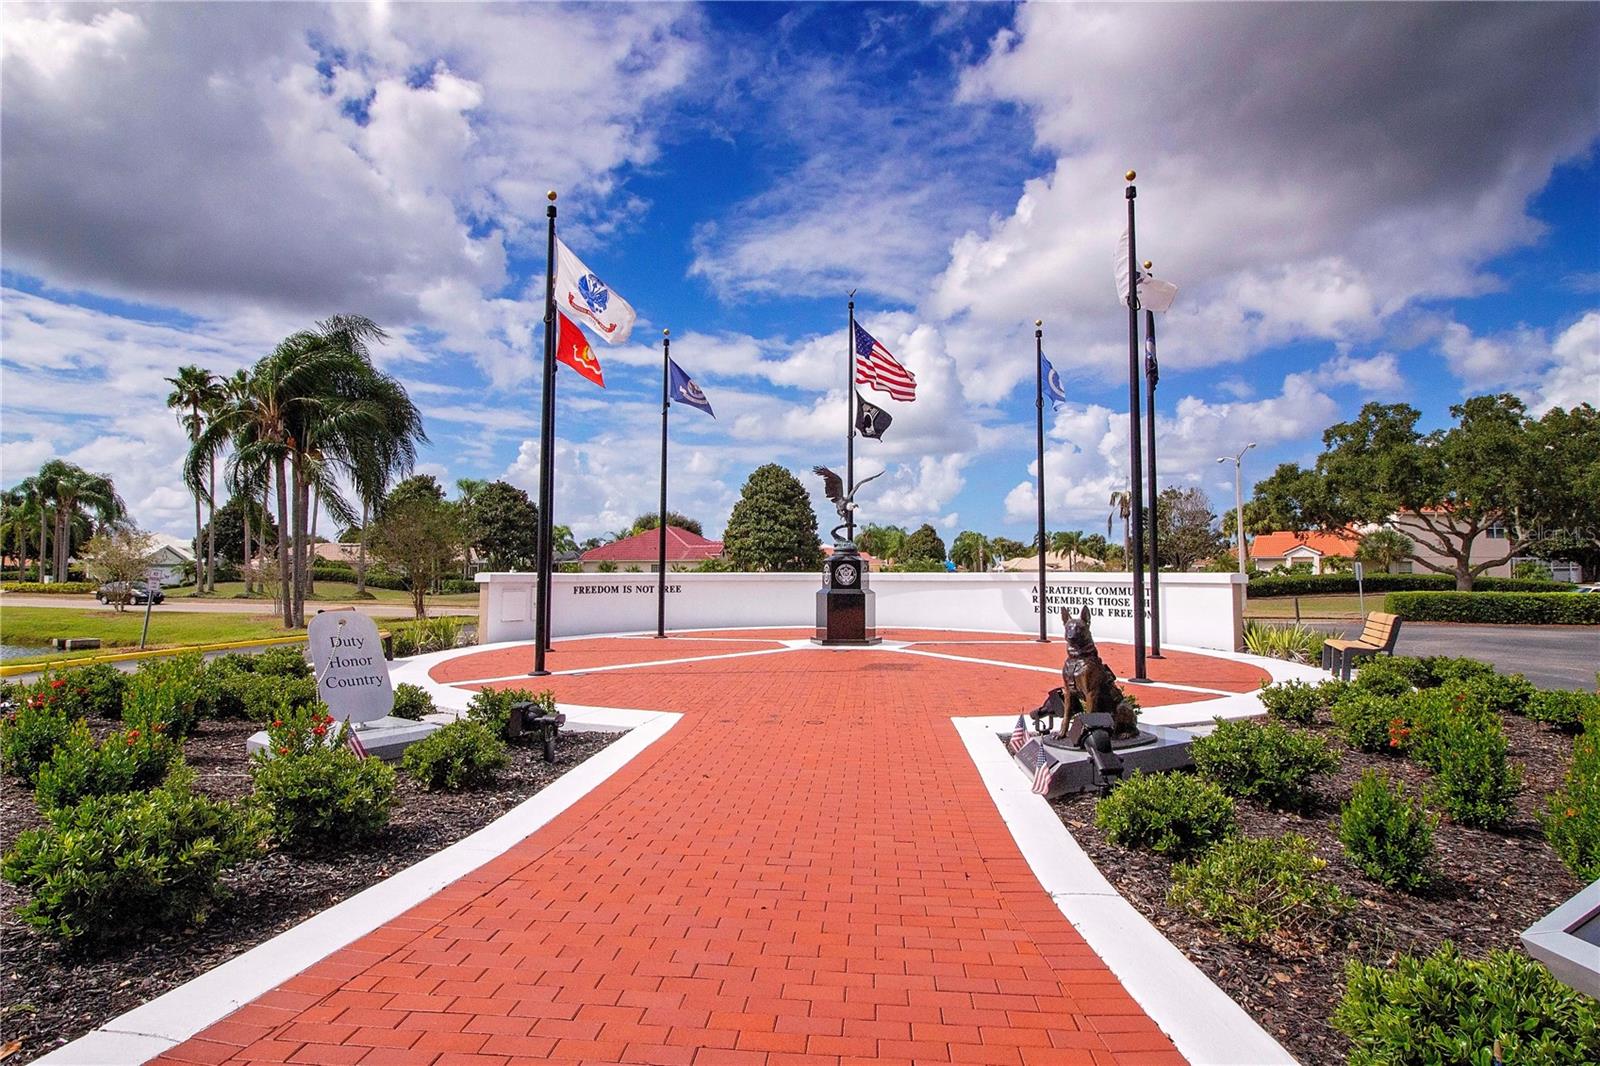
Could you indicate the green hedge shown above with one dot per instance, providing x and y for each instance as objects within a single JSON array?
[
  {"x": 1501, "y": 608},
  {"x": 325, "y": 570},
  {"x": 58, "y": 588},
  {"x": 1319, "y": 584}
]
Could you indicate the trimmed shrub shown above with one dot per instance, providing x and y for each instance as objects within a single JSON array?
[
  {"x": 1321, "y": 584},
  {"x": 1500, "y": 694},
  {"x": 1559, "y": 707},
  {"x": 1367, "y": 721},
  {"x": 124, "y": 762},
  {"x": 51, "y": 588},
  {"x": 1443, "y": 669},
  {"x": 464, "y": 754},
  {"x": 1391, "y": 675},
  {"x": 31, "y": 731},
  {"x": 1473, "y": 782},
  {"x": 1495, "y": 608},
  {"x": 315, "y": 793},
  {"x": 1264, "y": 761},
  {"x": 492, "y": 707},
  {"x": 113, "y": 866},
  {"x": 1448, "y": 1009},
  {"x": 1386, "y": 833},
  {"x": 261, "y": 697},
  {"x": 1259, "y": 888},
  {"x": 1297, "y": 701},
  {"x": 169, "y": 691},
  {"x": 91, "y": 691},
  {"x": 1168, "y": 813},
  {"x": 284, "y": 660},
  {"x": 411, "y": 702},
  {"x": 1571, "y": 816}
]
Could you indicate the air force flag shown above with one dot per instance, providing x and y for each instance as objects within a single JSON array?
[
  {"x": 681, "y": 387},
  {"x": 1052, "y": 385}
]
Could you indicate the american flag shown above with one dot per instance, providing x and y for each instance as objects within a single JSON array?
[
  {"x": 354, "y": 742},
  {"x": 1043, "y": 771},
  {"x": 877, "y": 368},
  {"x": 1019, "y": 735}
]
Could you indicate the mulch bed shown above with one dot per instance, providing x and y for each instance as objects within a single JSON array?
[
  {"x": 1489, "y": 886},
  {"x": 53, "y": 996}
]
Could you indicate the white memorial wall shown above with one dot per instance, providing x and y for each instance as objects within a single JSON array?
[{"x": 1200, "y": 610}]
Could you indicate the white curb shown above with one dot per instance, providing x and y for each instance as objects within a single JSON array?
[
  {"x": 170, "y": 1019},
  {"x": 1207, "y": 1026}
]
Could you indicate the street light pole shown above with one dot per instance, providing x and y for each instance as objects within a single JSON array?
[{"x": 1238, "y": 501}]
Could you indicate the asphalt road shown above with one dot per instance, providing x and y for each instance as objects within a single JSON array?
[{"x": 1549, "y": 656}]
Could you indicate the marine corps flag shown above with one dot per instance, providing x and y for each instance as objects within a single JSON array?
[
  {"x": 572, "y": 348},
  {"x": 871, "y": 420}
]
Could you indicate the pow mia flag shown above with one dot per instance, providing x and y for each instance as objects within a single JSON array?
[{"x": 871, "y": 420}]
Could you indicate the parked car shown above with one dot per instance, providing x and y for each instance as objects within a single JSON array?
[
  {"x": 1587, "y": 588},
  {"x": 133, "y": 593}
]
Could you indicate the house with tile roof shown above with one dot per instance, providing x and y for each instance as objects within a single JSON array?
[
  {"x": 685, "y": 551},
  {"x": 1285, "y": 548}
]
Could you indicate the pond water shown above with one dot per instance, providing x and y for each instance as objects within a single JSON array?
[{"x": 14, "y": 651}]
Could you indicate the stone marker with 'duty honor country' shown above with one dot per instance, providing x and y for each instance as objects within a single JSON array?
[{"x": 353, "y": 680}]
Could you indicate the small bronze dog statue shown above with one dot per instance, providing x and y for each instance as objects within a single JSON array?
[{"x": 1087, "y": 684}]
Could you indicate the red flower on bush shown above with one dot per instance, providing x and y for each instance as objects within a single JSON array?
[
  {"x": 283, "y": 751},
  {"x": 1398, "y": 732},
  {"x": 277, "y": 723},
  {"x": 57, "y": 683},
  {"x": 320, "y": 730}
]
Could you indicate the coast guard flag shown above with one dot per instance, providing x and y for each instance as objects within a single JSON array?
[
  {"x": 572, "y": 348},
  {"x": 877, "y": 368},
  {"x": 587, "y": 299},
  {"x": 681, "y": 387},
  {"x": 1154, "y": 294},
  {"x": 1052, "y": 385},
  {"x": 871, "y": 420}
]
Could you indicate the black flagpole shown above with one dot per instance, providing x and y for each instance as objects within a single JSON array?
[
  {"x": 661, "y": 535},
  {"x": 850, "y": 420},
  {"x": 1038, "y": 404},
  {"x": 1150, "y": 374},
  {"x": 1135, "y": 464},
  {"x": 547, "y": 448}
]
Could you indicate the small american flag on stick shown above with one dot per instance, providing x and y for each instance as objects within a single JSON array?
[
  {"x": 1043, "y": 770},
  {"x": 1019, "y": 735},
  {"x": 354, "y": 742}
]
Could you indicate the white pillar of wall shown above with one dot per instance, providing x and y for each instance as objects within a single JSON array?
[{"x": 1199, "y": 610}]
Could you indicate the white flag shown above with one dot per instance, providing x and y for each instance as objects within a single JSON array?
[
  {"x": 1154, "y": 294},
  {"x": 582, "y": 296}
]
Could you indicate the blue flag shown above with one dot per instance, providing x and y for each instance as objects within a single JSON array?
[
  {"x": 1052, "y": 385},
  {"x": 681, "y": 387}
]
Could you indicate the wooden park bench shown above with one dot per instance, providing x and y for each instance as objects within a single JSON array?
[{"x": 1378, "y": 636}]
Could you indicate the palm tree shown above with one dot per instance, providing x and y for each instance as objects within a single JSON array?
[
  {"x": 1068, "y": 543},
  {"x": 196, "y": 395},
  {"x": 17, "y": 506},
  {"x": 85, "y": 502},
  {"x": 317, "y": 408},
  {"x": 1121, "y": 503}
]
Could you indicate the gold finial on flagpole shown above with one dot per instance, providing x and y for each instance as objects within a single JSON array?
[
  {"x": 1038, "y": 322},
  {"x": 1130, "y": 175},
  {"x": 551, "y": 196},
  {"x": 666, "y": 333},
  {"x": 1149, "y": 265}
]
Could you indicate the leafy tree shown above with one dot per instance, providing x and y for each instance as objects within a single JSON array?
[
  {"x": 417, "y": 537},
  {"x": 651, "y": 519},
  {"x": 229, "y": 523},
  {"x": 924, "y": 543},
  {"x": 1495, "y": 466},
  {"x": 1186, "y": 527},
  {"x": 773, "y": 526},
  {"x": 1094, "y": 546},
  {"x": 503, "y": 526},
  {"x": 1383, "y": 548},
  {"x": 882, "y": 541},
  {"x": 418, "y": 486},
  {"x": 1007, "y": 548},
  {"x": 972, "y": 551},
  {"x": 1569, "y": 441},
  {"x": 119, "y": 555}
]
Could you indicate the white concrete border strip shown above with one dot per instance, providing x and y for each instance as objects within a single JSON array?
[
  {"x": 1205, "y": 1024},
  {"x": 171, "y": 1018}
]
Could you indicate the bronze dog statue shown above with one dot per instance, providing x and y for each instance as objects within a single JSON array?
[{"x": 1087, "y": 684}]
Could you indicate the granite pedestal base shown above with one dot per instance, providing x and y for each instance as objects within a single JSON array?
[
  {"x": 1168, "y": 751},
  {"x": 386, "y": 739}
]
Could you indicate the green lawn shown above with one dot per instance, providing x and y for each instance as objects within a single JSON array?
[
  {"x": 1333, "y": 605},
  {"x": 327, "y": 591}
]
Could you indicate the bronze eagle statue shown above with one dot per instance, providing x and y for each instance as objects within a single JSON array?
[{"x": 833, "y": 489}]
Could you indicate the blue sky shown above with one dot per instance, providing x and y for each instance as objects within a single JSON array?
[{"x": 1358, "y": 203}]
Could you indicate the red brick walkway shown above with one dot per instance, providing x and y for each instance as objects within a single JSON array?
[{"x": 806, "y": 870}]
